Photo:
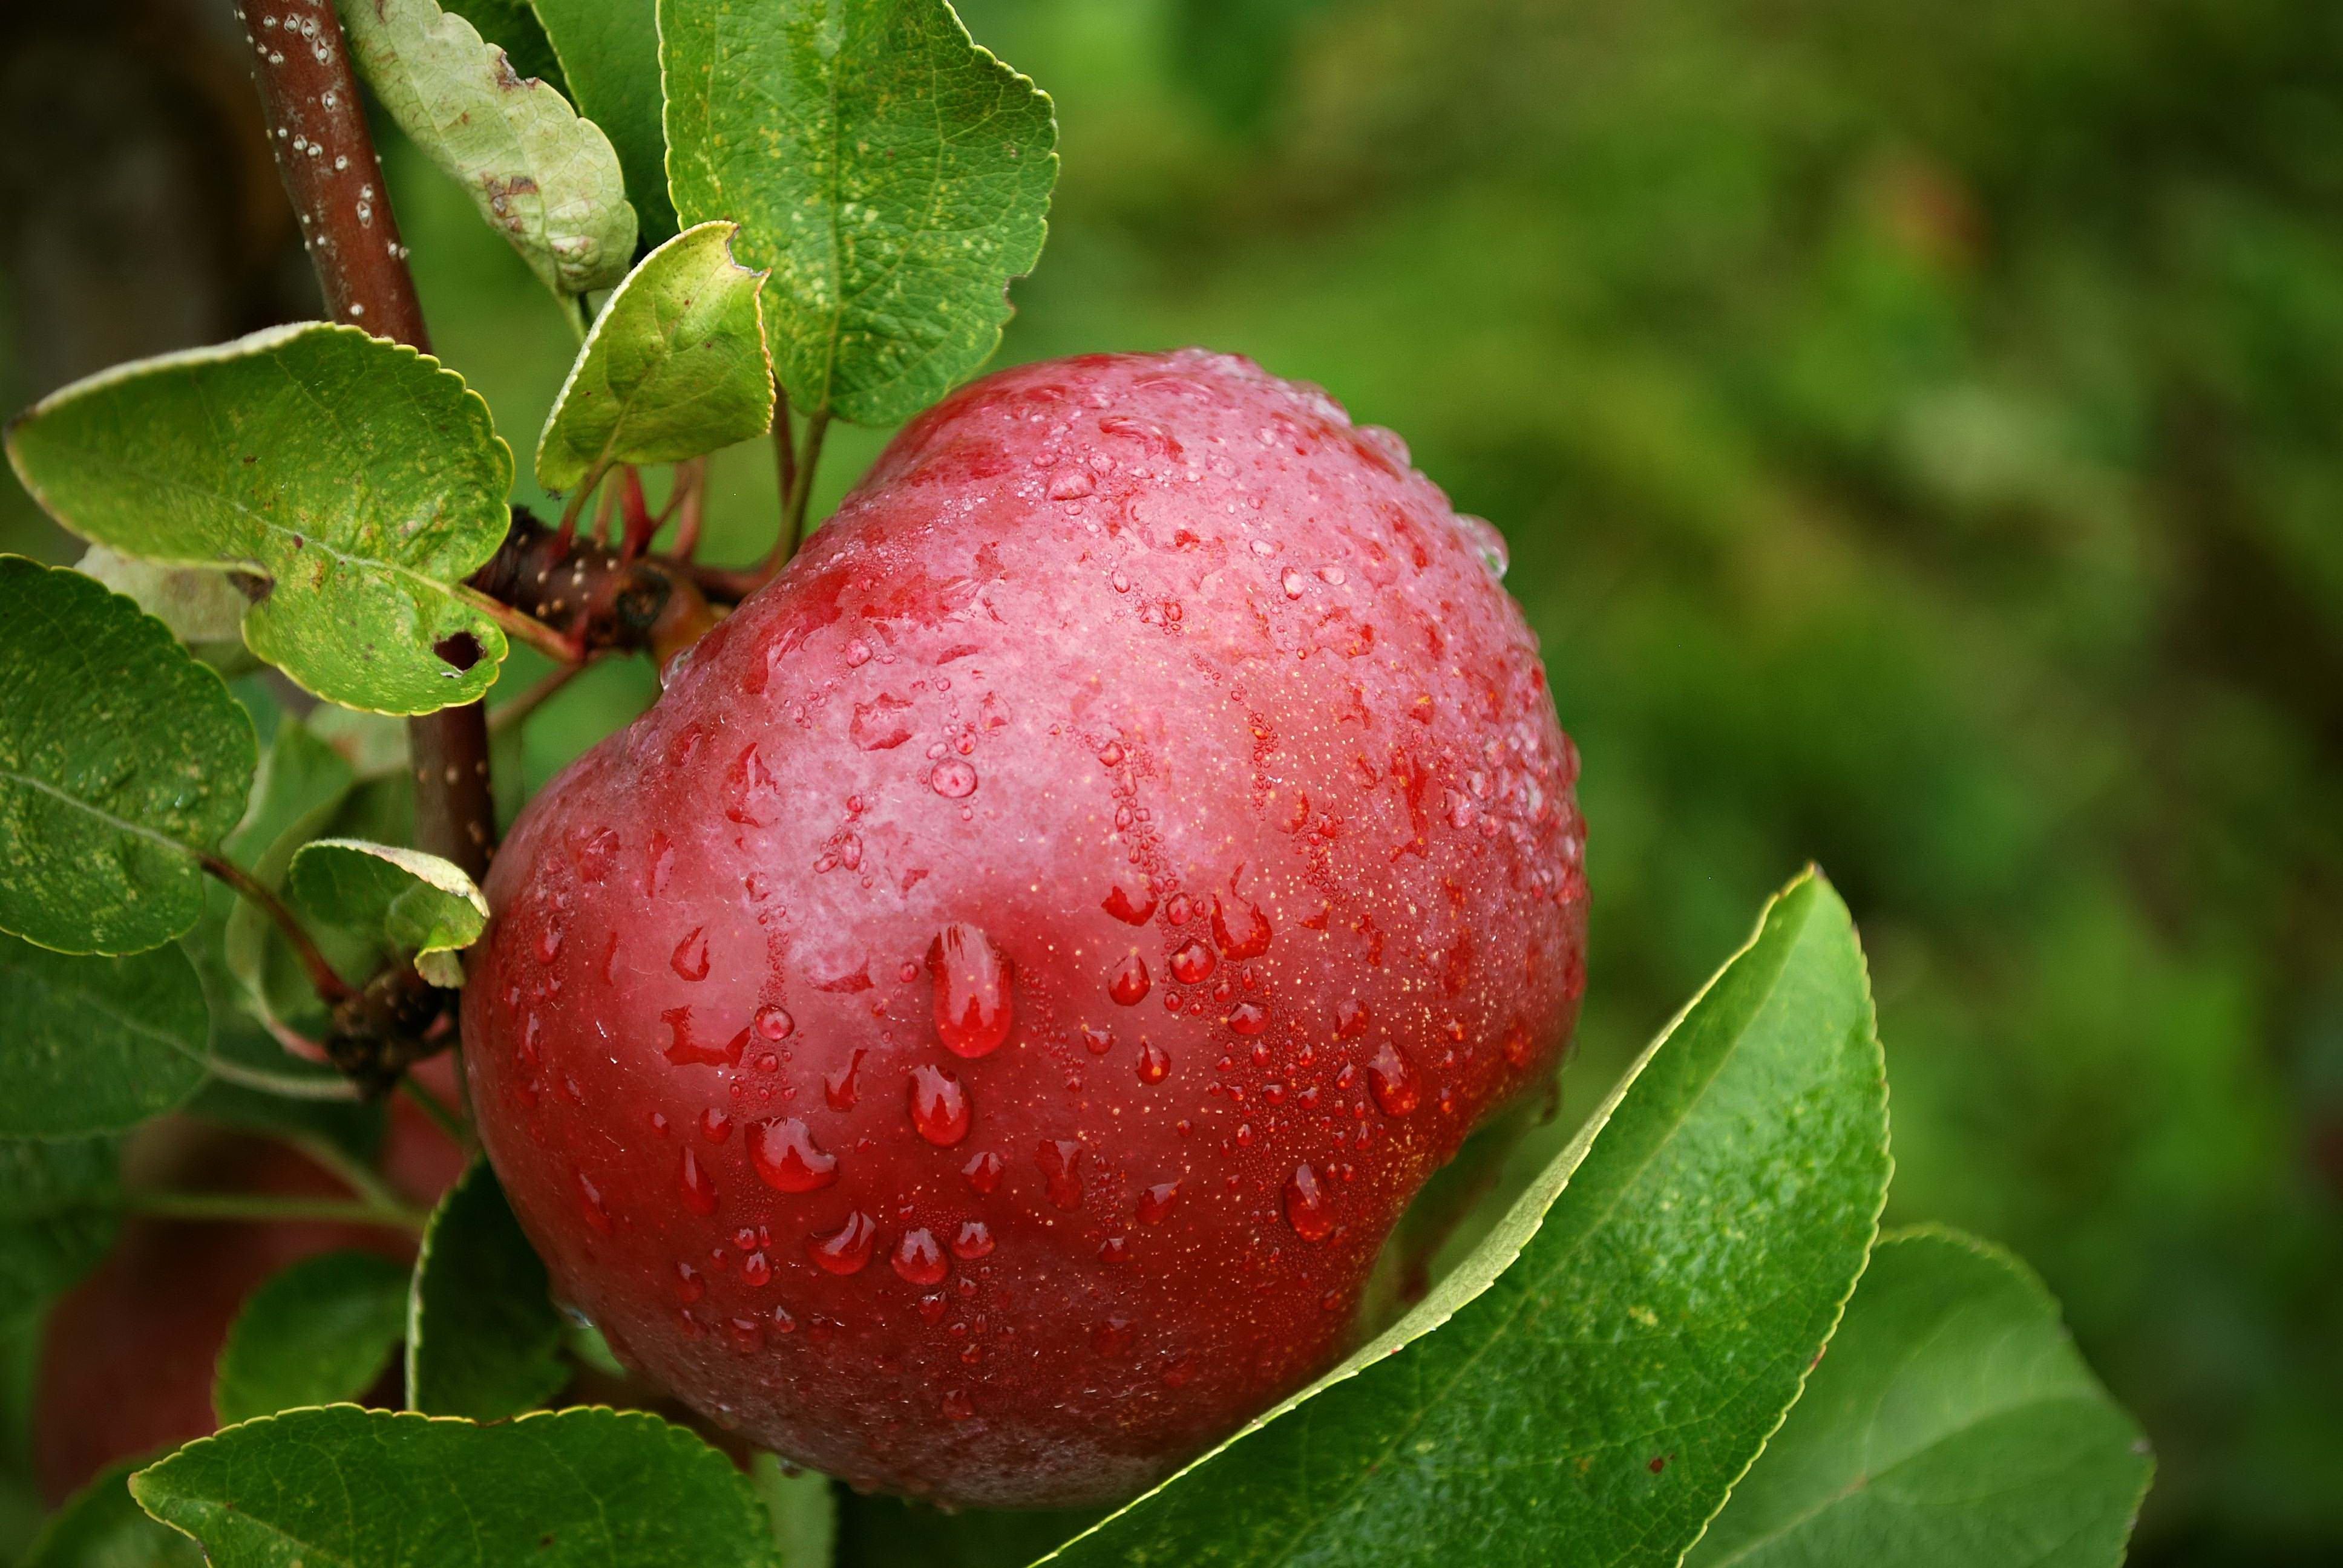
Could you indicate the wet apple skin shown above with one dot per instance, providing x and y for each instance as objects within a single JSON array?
[{"x": 1148, "y": 702}]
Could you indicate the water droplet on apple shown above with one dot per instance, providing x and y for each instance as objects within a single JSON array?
[
  {"x": 973, "y": 1240},
  {"x": 1191, "y": 962},
  {"x": 919, "y": 1260},
  {"x": 1130, "y": 982},
  {"x": 1240, "y": 929},
  {"x": 840, "y": 1087},
  {"x": 975, "y": 994},
  {"x": 983, "y": 1172},
  {"x": 1156, "y": 1200},
  {"x": 1060, "y": 1159},
  {"x": 752, "y": 798},
  {"x": 938, "y": 1106},
  {"x": 590, "y": 1204},
  {"x": 691, "y": 958},
  {"x": 1130, "y": 911},
  {"x": 846, "y": 1249},
  {"x": 698, "y": 1188},
  {"x": 953, "y": 779},
  {"x": 1307, "y": 1207},
  {"x": 880, "y": 724},
  {"x": 1392, "y": 1080},
  {"x": 788, "y": 1160},
  {"x": 1154, "y": 1064}
]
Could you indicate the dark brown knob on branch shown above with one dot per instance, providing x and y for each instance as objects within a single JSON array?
[{"x": 592, "y": 597}]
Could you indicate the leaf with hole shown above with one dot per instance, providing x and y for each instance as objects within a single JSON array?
[
  {"x": 674, "y": 367},
  {"x": 483, "y": 1339},
  {"x": 544, "y": 178},
  {"x": 1952, "y": 1424},
  {"x": 97, "y": 1044},
  {"x": 892, "y": 175},
  {"x": 358, "y": 479},
  {"x": 588, "y": 1488},
  {"x": 122, "y": 759},
  {"x": 318, "y": 1331},
  {"x": 1596, "y": 1400}
]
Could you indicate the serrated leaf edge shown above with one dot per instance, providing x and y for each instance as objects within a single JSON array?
[{"x": 601, "y": 464}]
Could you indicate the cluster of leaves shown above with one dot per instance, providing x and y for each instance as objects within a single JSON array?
[{"x": 1612, "y": 1354}]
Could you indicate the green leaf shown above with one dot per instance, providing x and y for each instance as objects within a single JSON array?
[
  {"x": 407, "y": 902},
  {"x": 891, "y": 174},
  {"x": 484, "y": 1338},
  {"x": 544, "y": 178},
  {"x": 513, "y": 27},
  {"x": 674, "y": 367},
  {"x": 102, "y": 1526},
  {"x": 610, "y": 51},
  {"x": 1596, "y": 1402},
  {"x": 60, "y": 1205},
  {"x": 802, "y": 1506},
  {"x": 355, "y": 1488},
  {"x": 1952, "y": 1425},
  {"x": 121, "y": 760},
  {"x": 96, "y": 1044},
  {"x": 318, "y": 1331},
  {"x": 362, "y": 481}
]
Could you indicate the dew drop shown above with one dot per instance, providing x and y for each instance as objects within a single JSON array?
[
  {"x": 1130, "y": 982},
  {"x": 662, "y": 863},
  {"x": 689, "y": 1287},
  {"x": 691, "y": 958},
  {"x": 973, "y": 1240},
  {"x": 938, "y": 1106},
  {"x": 752, "y": 798},
  {"x": 880, "y": 724},
  {"x": 983, "y": 1172},
  {"x": 548, "y": 942},
  {"x": 953, "y": 779},
  {"x": 957, "y": 1404},
  {"x": 839, "y": 1086},
  {"x": 1242, "y": 932},
  {"x": 1247, "y": 1019},
  {"x": 686, "y": 1049},
  {"x": 846, "y": 1249},
  {"x": 1307, "y": 1208},
  {"x": 715, "y": 1125},
  {"x": 756, "y": 1268},
  {"x": 788, "y": 1160},
  {"x": 1154, "y": 1064},
  {"x": 1191, "y": 962},
  {"x": 1112, "y": 1337},
  {"x": 698, "y": 1190},
  {"x": 1156, "y": 1200},
  {"x": 590, "y": 1204},
  {"x": 919, "y": 1260},
  {"x": 1130, "y": 912},
  {"x": 1350, "y": 1018},
  {"x": 1114, "y": 1249},
  {"x": 975, "y": 994},
  {"x": 774, "y": 1023},
  {"x": 1060, "y": 1159},
  {"x": 1392, "y": 1082}
]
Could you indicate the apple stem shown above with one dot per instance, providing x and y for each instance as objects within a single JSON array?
[
  {"x": 793, "y": 514},
  {"x": 331, "y": 988},
  {"x": 168, "y": 1205}
]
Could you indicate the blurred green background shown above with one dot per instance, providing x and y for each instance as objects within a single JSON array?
[{"x": 1917, "y": 430}]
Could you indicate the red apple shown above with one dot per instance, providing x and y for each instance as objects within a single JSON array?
[{"x": 973, "y": 1033}]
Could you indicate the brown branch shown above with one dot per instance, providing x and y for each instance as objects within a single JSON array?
[
  {"x": 330, "y": 987},
  {"x": 595, "y": 600},
  {"x": 317, "y": 131}
]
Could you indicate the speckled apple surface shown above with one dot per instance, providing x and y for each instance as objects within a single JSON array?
[{"x": 974, "y": 1031}]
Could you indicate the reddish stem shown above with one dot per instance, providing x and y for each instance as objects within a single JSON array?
[{"x": 317, "y": 131}]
